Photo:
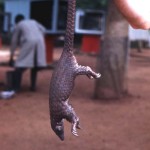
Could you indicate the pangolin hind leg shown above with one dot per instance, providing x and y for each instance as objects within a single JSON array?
[{"x": 86, "y": 70}]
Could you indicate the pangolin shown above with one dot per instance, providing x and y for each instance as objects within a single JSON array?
[{"x": 62, "y": 81}]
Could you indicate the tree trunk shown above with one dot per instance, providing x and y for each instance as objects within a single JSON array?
[{"x": 113, "y": 60}]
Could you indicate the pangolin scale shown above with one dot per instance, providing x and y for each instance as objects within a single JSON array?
[{"x": 62, "y": 81}]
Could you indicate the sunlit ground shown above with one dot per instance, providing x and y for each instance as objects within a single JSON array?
[
  {"x": 106, "y": 125},
  {"x": 4, "y": 54}
]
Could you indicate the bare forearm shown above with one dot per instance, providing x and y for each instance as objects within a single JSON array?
[{"x": 136, "y": 18}]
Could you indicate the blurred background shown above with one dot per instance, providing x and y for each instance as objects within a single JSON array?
[{"x": 113, "y": 110}]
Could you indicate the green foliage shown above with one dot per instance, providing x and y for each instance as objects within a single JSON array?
[
  {"x": 1, "y": 5},
  {"x": 92, "y": 4},
  {"x": 1, "y": 1}
]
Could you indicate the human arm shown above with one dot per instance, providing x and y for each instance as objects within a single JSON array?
[
  {"x": 41, "y": 27},
  {"x": 136, "y": 12},
  {"x": 14, "y": 44}
]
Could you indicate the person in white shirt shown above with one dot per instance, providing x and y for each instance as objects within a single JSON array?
[{"x": 28, "y": 36}]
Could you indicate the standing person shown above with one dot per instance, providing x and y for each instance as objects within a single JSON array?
[{"x": 28, "y": 35}]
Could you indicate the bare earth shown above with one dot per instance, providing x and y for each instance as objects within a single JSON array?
[{"x": 110, "y": 125}]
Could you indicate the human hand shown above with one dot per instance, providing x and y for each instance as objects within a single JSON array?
[{"x": 11, "y": 62}]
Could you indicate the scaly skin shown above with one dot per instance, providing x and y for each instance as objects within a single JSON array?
[{"x": 62, "y": 81}]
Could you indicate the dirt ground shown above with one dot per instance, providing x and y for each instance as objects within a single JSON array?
[{"x": 106, "y": 125}]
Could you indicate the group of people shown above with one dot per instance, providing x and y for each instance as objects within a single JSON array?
[{"x": 28, "y": 36}]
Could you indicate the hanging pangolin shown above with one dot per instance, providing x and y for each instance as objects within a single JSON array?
[{"x": 62, "y": 81}]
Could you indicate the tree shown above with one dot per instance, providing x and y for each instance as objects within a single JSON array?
[{"x": 112, "y": 63}]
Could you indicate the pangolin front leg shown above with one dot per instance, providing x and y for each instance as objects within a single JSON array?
[{"x": 73, "y": 119}]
